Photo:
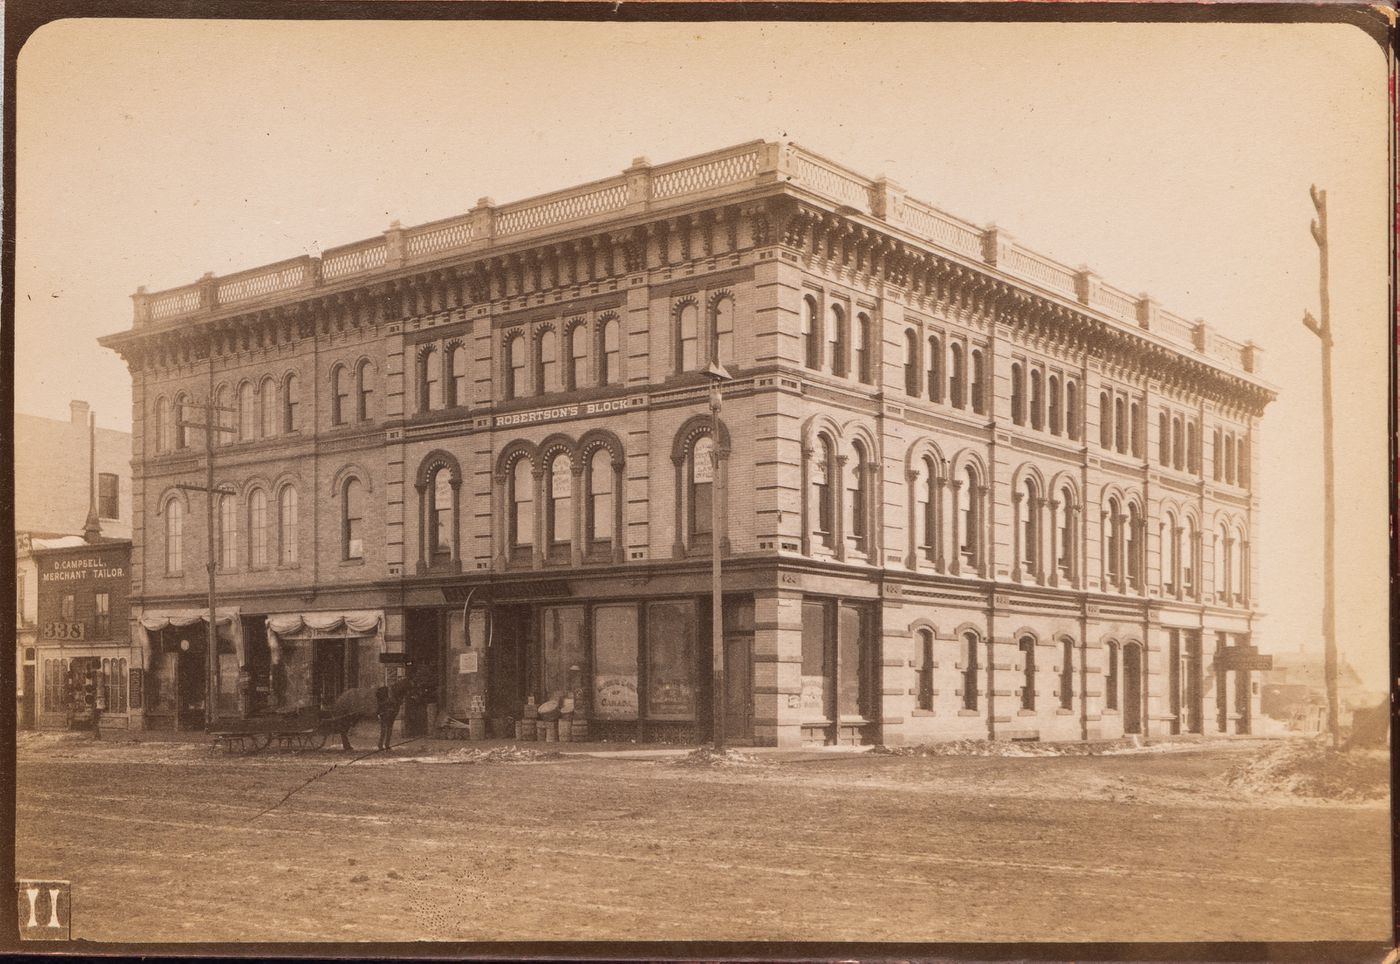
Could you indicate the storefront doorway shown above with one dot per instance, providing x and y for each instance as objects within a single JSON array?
[
  {"x": 1132, "y": 688},
  {"x": 840, "y": 673},
  {"x": 191, "y": 664}
]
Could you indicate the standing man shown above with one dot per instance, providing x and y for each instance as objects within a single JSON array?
[{"x": 95, "y": 695}]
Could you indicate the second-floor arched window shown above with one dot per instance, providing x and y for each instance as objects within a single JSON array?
[
  {"x": 858, "y": 496},
  {"x": 911, "y": 363},
  {"x": 1105, "y": 421},
  {"x": 1135, "y": 429},
  {"x": 1037, "y": 405},
  {"x": 1134, "y": 546},
  {"x": 340, "y": 395},
  {"x": 441, "y": 517},
  {"x": 1120, "y": 426},
  {"x": 179, "y": 416},
  {"x": 247, "y": 423},
  {"x": 174, "y": 537},
  {"x": 1171, "y": 548},
  {"x": 811, "y": 333},
  {"x": 546, "y": 362},
  {"x": 161, "y": 430},
  {"x": 970, "y": 509},
  {"x": 823, "y": 492},
  {"x": 1164, "y": 438},
  {"x": 267, "y": 405},
  {"x": 457, "y": 376},
  {"x": 957, "y": 376},
  {"x": 1018, "y": 394},
  {"x": 1030, "y": 526},
  {"x": 701, "y": 473},
  {"x": 1178, "y": 444},
  {"x": 352, "y": 519},
  {"x": 1068, "y": 542},
  {"x": 1113, "y": 555},
  {"x": 228, "y": 533},
  {"x": 978, "y": 388},
  {"x": 1053, "y": 422},
  {"x": 935, "y": 369},
  {"x": 601, "y": 488},
  {"x": 559, "y": 505},
  {"x": 287, "y": 526},
  {"x": 364, "y": 390},
  {"x": 836, "y": 339},
  {"x": 1189, "y": 565},
  {"x": 257, "y": 529},
  {"x": 1073, "y": 418},
  {"x": 927, "y": 494}
]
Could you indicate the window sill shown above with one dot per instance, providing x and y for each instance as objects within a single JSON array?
[
  {"x": 353, "y": 562},
  {"x": 1025, "y": 712},
  {"x": 922, "y": 713},
  {"x": 1064, "y": 711},
  {"x": 967, "y": 712}
]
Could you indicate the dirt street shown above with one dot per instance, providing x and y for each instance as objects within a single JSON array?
[{"x": 171, "y": 842}]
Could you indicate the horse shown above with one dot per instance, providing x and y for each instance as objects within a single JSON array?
[{"x": 364, "y": 702}]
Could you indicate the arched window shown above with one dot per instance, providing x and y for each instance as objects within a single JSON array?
[
  {"x": 161, "y": 430},
  {"x": 1018, "y": 394},
  {"x": 257, "y": 529},
  {"x": 247, "y": 423},
  {"x": 911, "y": 363},
  {"x": 969, "y": 670},
  {"x": 1164, "y": 438},
  {"x": 1030, "y": 526},
  {"x": 522, "y": 505},
  {"x": 287, "y": 526},
  {"x": 610, "y": 360},
  {"x": 1222, "y": 563},
  {"x": 935, "y": 369},
  {"x": 923, "y": 648},
  {"x": 546, "y": 362},
  {"x": 861, "y": 347},
  {"x": 441, "y": 517},
  {"x": 601, "y": 504},
  {"x": 289, "y": 403},
  {"x": 1171, "y": 557},
  {"x": 228, "y": 533},
  {"x": 457, "y": 376},
  {"x": 1178, "y": 445},
  {"x": 688, "y": 338},
  {"x": 1110, "y": 680},
  {"x": 970, "y": 508},
  {"x": 1230, "y": 458},
  {"x": 267, "y": 406},
  {"x": 1242, "y": 460},
  {"x": 1067, "y": 539},
  {"x": 836, "y": 338},
  {"x": 1072, "y": 418},
  {"x": 178, "y": 416},
  {"x": 1193, "y": 458},
  {"x": 978, "y": 390},
  {"x": 1053, "y": 384},
  {"x": 515, "y": 366},
  {"x": 1066, "y": 674},
  {"x": 702, "y": 477},
  {"x": 1135, "y": 429},
  {"x": 1027, "y": 647},
  {"x": 576, "y": 375},
  {"x": 429, "y": 380},
  {"x": 723, "y": 332},
  {"x": 1188, "y": 560},
  {"x": 223, "y": 418},
  {"x": 823, "y": 492},
  {"x": 957, "y": 384},
  {"x": 811, "y": 333},
  {"x": 1037, "y": 399},
  {"x": 858, "y": 496},
  {"x": 1120, "y": 428},
  {"x": 1115, "y": 542},
  {"x": 364, "y": 382},
  {"x": 1238, "y": 582},
  {"x": 1217, "y": 457},
  {"x": 927, "y": 485},
  {"x": 352, "y": 519},
  {"x": 1134, "y": 548},
  {"x": 340, "y": 395},
  {"x": 1105, "y": 421},
  {"x": 559, "y": 506}
]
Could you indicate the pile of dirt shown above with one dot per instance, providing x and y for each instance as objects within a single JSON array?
[
  {"x": 1006, "y": 748},
  {"x": 501, "y": 754},
  {"x": 1311, "y": 768},
  {"x": 708, "y": 756}
]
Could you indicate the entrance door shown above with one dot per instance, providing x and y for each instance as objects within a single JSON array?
[
  {"x": 26, "y": 719},
  {"x": 508, "y": 680},
  {"x": 738, "y": 688},
  {"x": 190, "y": 689},
  {"x": 1132, "y": 689}
]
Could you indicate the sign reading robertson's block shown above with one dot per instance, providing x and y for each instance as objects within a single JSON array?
[{"x": 44, "y": 910}]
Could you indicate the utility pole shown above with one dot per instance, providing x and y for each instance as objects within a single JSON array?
[
  {"x": 1323, "y": 330},
  {"x": 717, "y": 376},
  {"x": 211, "y": 424}
]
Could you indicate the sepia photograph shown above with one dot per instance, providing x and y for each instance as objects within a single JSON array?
[{"x": 513, "y": 481}]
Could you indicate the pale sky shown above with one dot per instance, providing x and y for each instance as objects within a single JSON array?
[{"x": 1172, "y": 159}]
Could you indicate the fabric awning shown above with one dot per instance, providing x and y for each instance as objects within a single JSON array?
[
  {"x": 361, "y": 622},
  {"x": 154, "y": 620}
]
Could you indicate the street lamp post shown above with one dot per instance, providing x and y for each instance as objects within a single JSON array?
[{"x": 717, "y": 376}]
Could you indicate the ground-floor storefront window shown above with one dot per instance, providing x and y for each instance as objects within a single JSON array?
[{"x": 839, "y": 695}]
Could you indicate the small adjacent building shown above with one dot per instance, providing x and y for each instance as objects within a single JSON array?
[{"x": 82, "y": 627}]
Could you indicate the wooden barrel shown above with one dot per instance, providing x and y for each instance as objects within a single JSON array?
[
  {"x": 551, "y": 732},
  {"x": 578, "y": 730}
]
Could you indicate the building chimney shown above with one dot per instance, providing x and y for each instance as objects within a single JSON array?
[
  {"x": 92, "y": 528},
  {"x": 79, "y": 411}
]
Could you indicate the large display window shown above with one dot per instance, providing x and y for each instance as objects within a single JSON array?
[
  {"x": 671, "y": 660},
  {"x": 615, "y": 640}
]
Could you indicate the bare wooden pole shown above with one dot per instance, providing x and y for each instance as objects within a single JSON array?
[{"x": 1323, "y": 330}]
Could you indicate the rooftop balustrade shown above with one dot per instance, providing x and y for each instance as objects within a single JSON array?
[{"x": 645, "y": 188}]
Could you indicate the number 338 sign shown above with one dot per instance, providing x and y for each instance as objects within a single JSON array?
[{"x": 64, "y": 631}]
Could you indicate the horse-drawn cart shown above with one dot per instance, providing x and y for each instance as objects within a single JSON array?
[{"x": 304, "y": 730}]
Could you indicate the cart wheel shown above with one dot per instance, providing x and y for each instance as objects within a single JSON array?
[
  {"x": 266, "y": 741},
  {"x": 317, "y": 740}
]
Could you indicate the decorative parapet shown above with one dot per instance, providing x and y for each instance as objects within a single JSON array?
[{"x": 644, "y": 187}]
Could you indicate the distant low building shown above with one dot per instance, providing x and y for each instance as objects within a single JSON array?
[{"x": 1295, "y": 691}]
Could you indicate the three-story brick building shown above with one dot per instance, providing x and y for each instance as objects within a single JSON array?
[{"x": 968, "y": 491}]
